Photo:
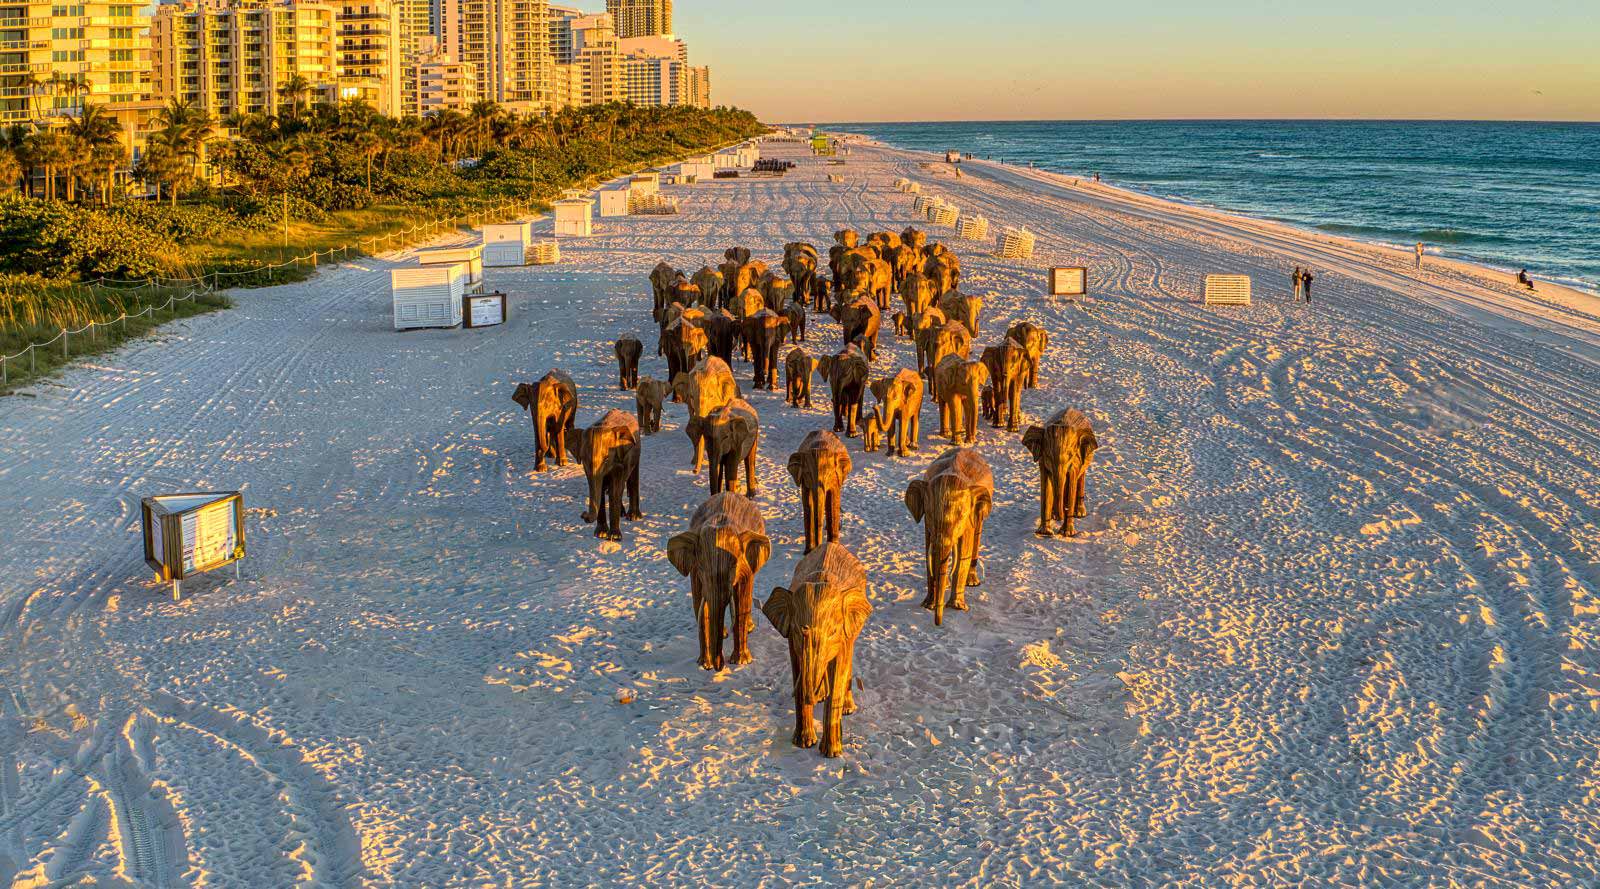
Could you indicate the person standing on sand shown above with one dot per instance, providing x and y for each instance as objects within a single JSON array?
[
  {"x": 1420, "y": 251},
  {"x": 1306, "y": 279},
  {"x": 1299, "y": 280}
]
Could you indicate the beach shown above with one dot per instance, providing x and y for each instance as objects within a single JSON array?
[{"x": 1331, "y": 617}]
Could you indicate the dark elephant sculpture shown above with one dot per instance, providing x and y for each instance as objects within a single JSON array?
[
  {"x": 724, "y": 549},
  {"x": 951, "y": 500},
  {"x": 628, "y": 349},
  {"x": 1063, "y": 447},
  {"x": 609, "y": 451},
  {"x": 553, "y": 404},
  {"x": 821, "y": 613}
]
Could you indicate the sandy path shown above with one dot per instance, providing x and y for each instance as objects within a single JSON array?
[{"x": 1331, "y": 617}]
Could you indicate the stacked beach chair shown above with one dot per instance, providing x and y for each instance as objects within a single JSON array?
[
  {"x": 920, "y": 205},
  {"x": 901, "y": 183},
  {"x": 1016, "y": 243},
  {"x": 942, "y": 212},
  {"x": 973, "y": 228},
  {"x": 653, "y": 205},
  {"x": 914, "y": 188},
  {"x": 544, "y": 253},
  {"x": 1227, "y": 290},
  {"x": 835, "y": 178}
]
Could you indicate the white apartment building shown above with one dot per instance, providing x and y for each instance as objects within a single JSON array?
[
  {"x": 656, "y": 71},
  {"x": 54, "y": 56},
  {"x": 444, "y": 84},
  {"x": 508, "y": 43},
  {"x": 232, "y": 59},
  {"x": 588, "y": 63}
]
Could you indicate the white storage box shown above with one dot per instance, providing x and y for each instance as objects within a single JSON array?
[
  {"x": 470, "y": 256},
  {"x": 507, "y": 243},
  {"x": 428, "y": 296},
  {"x": 614, "y": 202},
  {"x": 575, "y": 217},
  {"x": 645, "y": 183}
]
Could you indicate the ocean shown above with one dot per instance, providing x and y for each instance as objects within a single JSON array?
[{"x": 1505, "y": 194}]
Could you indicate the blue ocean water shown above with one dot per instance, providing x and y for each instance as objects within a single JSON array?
[{"x": 1507, "y": 194}]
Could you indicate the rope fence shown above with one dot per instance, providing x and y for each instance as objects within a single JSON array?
[{"x": 211, "y": 282}]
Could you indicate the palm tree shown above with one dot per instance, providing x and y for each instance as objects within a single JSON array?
[
  {"x": 370, "y": 144},
  {"x": 10, "y": 169},
  {"x": 183, "y": 129},
  {"x": 162, "y": 167},
  {"x": 483, "y": 114},
  {"x": 293, "y": 92},
  {"x": 48, "y": 149},
  {"x": 294, "y": 157},
  {"x": 100, "y": 139}
]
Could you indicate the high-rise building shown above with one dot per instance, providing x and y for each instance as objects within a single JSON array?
[
  {"x": 445, "y": 84},
  {"x": 54, "y": 56},
  {"x": 700, "y": 86},
  {"x": 588, "y": 63},
  {"x": 641, "y": 18},
  {"x": 508, "y": 43},
  {"x": 371, "y": 54},
  {"x": 656, "y": 71},
  {"x": 231, "y": 59}
]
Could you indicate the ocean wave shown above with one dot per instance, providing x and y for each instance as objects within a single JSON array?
[{"x": 1277, "y": 156}]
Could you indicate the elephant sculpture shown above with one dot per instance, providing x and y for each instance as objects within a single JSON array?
[
  {"x": 902, "y": 327},
  {"x": 709, "y": 281},
  {"x": 860, "y": 319},
  {"x": 903, "y": 261},
  {"x": 661, "y": 279},
  {"x": 846, "y": 374},
  {"x": 962, "y": 307},
  {"x": 685, "y": 293},
  {"x": 797, "y": 370},
  {"x": 609, "y": 451},
  {"x": 648, "y": 397},
  {"x": 821, "y": 613},
  {"x": 924, "y": 330},
  {"x": 778, "y": 291},
  {"x": 899, "y": 408},
  {"x": 951, "y": 500},
  {"x": 959, "y": 392},
  {"x": 794, "y": 311},
  {"x": 1063, "y": 447},
  {"x": 951, "y": 338},
  {"x": 800, "y": 264},
  {"x": 764, "y": 333},
  {"x": 871, "y": 433},
  {"x": 820, "y": 290},
  {"x": 1007, "y": 364},
  {"x": 884, "y": 241},
  {"x": 819, "y": 468},
  {"x": 844, "y": 241},
  {"x": 708, "y": 386},
  {"x": 1035, "y": 340},
  {"x": 724, "y": 549},
  {"x": 684, "y": 343},
  {"x": 722, "y": 334},
  {"x": 732, "y": 434},
  {"x": 916, "y": 292},
  {"x": 943, "y": 270},
  {"x": 628, "y": 350},
  {"x": 740, "y": 255},
  {"x": 915, "y": 239},
  {"x": 553, "y": 404}
]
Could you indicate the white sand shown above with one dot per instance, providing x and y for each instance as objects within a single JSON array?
[{"x": 1332, "y": 617}]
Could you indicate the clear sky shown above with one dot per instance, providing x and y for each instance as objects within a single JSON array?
[{"x": 802, "y": 61}]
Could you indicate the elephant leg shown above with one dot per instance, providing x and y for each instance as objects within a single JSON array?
[
  {"x": 847, "y": 660},
  {"x": 1069, "y": 506},
  {"x": 805, "y": 729},
  {"x": 960, "y": 575},
  {"x": 1047, "y": 497},
  {"x": 719, "y": 628},
  {"x": 699, "y": 452},
  {"x": 916, "y": 431},
  {"x": 614, "y": 494},
  {"x": 833, "y": 710},
  {"x": 704, "y": 604},
  {"x": 808, "y": 517},
  {"x": 591, "y": 508},
  {"x": 750, "y": 472},
  {"x": 1082, "y": 508},
  {"x": 973, "y": 553},
  {"x": 634, "y": 512},
  {"x": 832, "y": 496},
  {"x": 742, "y": 620}
]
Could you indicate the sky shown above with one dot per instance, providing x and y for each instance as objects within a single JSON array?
[{"x": 820, "y": 61}]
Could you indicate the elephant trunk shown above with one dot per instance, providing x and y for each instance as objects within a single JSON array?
[{"x": 940, "y": 551}]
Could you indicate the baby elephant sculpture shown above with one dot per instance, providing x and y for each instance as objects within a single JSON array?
[
  {"x": 553, "y": 404},
  {"x": 821, "y": 613},
  {"x": 732, "y": 434},
  {"x": 899, "y": 410},
  {"x": 952, "y": 500},
  {"x": 1007, "y": 364},
  {"x": 819, "y": 468},
  {"x": 1063, "y": 447},
  {"x": 648, "y": 397},
  {"x": 797, "y": 370},
  {"x": 721, "y": 554},
  {"x": 871, "y": 433},
  {"x": 628, "y": 350},
  {"x": 609, "y": 451}
]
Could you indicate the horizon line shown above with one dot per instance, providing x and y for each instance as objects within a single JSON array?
[{"x": 1505, "y": 120}]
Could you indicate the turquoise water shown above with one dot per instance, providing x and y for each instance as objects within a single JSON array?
[{"x": 1508, "y": 194}]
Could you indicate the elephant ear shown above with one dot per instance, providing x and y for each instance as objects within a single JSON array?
[
  {"x": 682, "y": 551},
  {"x": 756, "y": 552},
  {"x": 523, "y": 396},
  {"x": 797, "y": 467},
  {"x": 1087, "y": 445},
  {"x": 695, "y": 427},
  {"x": 779, "y": 610},
  {"x": 680, "y": 384},
  {"x": 982, "y": 503},
  {"x": 825, "y": 366},
  {"x": 917, "y": 498},
  {"x": 578, "y": 441},
  {"x": 1033, "y": 440},
  {"x": 856, "y": 611}
]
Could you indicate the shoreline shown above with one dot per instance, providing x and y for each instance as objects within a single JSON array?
[{"x": 1461, "y": 262}]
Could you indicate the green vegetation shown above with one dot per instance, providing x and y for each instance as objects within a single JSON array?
[{"x": 311, "y": 179}]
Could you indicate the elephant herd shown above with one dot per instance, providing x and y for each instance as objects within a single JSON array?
[{"x": 742, "y": 309}]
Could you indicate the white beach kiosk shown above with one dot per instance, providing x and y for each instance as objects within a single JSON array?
[
  {"x": 507, "y": 243},
  {"x": 614, "y": 201},
  {"x": 575, "y": 217},
  {"x": 469, "y": 255},
  {"x": 428, "y": 296},
  {"x": 701, "y": 167}
]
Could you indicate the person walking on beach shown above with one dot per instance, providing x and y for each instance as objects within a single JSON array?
[
  {"x": 1305, "y": 281},
  {"x": 1420, "y": 251},
  {"x": 1299, "y": 282}
]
